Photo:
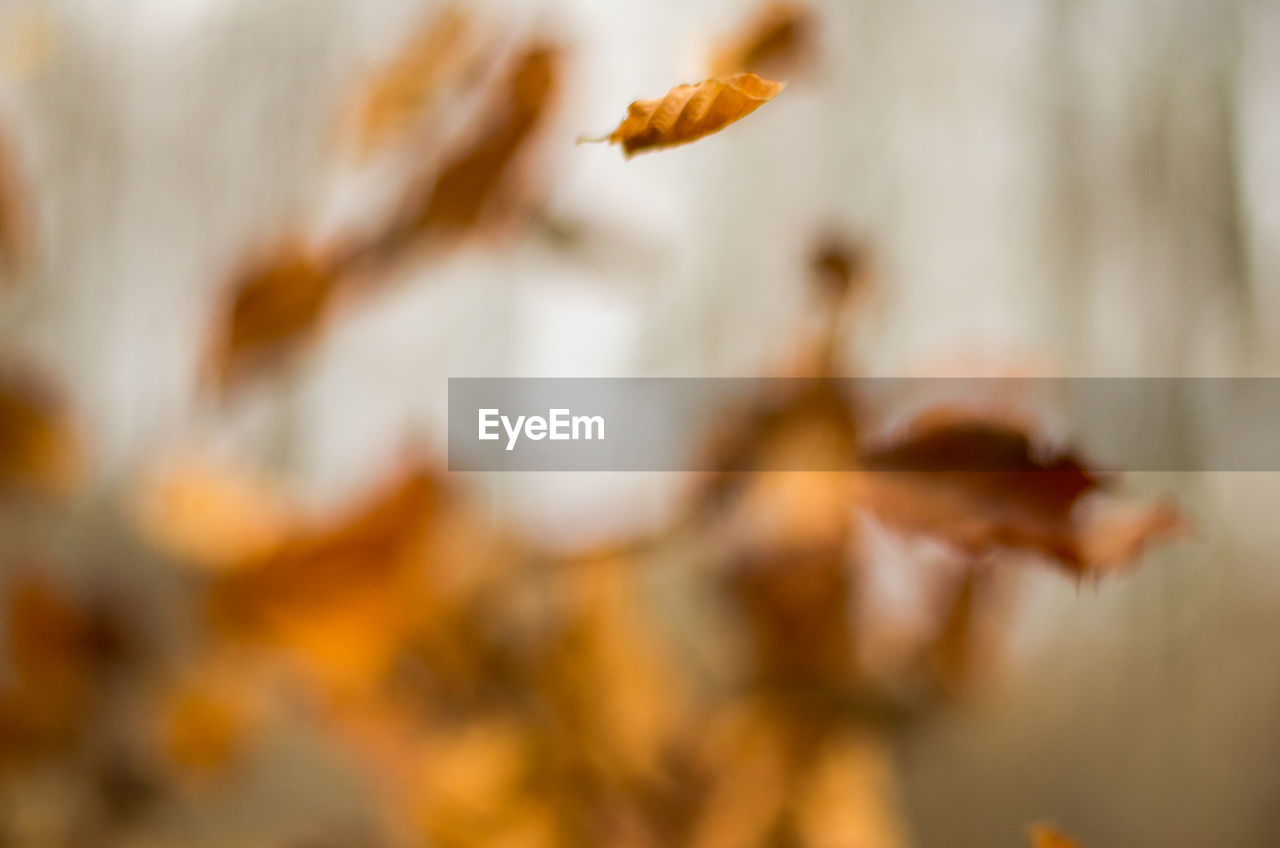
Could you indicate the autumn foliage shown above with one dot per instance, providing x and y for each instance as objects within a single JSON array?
[{"x": 707, "y": 684}]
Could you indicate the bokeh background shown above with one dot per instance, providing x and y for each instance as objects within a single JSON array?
[{"x": 1054, "y": 188}]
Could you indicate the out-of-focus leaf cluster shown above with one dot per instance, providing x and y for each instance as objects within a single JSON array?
[{"x": 483, "y": 689}]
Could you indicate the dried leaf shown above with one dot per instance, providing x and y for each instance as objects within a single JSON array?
[
  {"x": 470, "y": 183},
  {"x": 39, "y": 449},
  {"x": 774, "y": 43},
  {"x": 688, "y": 112},
  {"x": 983, "y": 486},
  {"x": 399, "y": 93},
  {"x": 274, "y": 305}
]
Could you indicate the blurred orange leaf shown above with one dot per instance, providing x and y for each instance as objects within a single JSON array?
[
  {"x": 205, "y": 721},
  {"x": 39, "y": 449},
  {"x": 402, "y": 90},
  {"x": 339, "y": 595},
  {"x": 56, "y": 647},
  {"x": 274, "y": 305},
  {"x": 213, "y": 514},
  {"x": 689, "y": 112},
  {"x": 15, "y": 222},
  {"x": 774, "y": 42},
  {"x": 982, "y": 485},
  {"x": 470, "y": 183}
]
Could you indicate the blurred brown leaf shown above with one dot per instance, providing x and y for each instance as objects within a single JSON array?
[
  {"x": 774, "y": 43},
  {"x": 39, "y": 449},
  {"x": 982, "y": 485},
  {"x": 398, "y": 93},
  {"x": 840, "y": 269},
  {"x": 338, "y": 595},
  {"x": 57, "y": 647},
  {"x": 689, "y": 112},
  {"x": 471, "y": 183},
  {"x": 273, "y": 306},
  {"x": 278, "y": 302},
  {"x": 15, "y": 219}
]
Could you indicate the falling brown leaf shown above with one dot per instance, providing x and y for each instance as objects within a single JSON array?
[
  {"x": 982, "y": 485},
  {"x": 1045, "y": 835},
  {"x": 274, "y": 305},
  {"x": 688, "y": 112},
  {"x": 775, "y": 43},
  {"x": 470, "y": 184},
  {"x": 39, "y": 449},
  {"x": 400, "y": 92},
  {"x": 15, "y": 222}
]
